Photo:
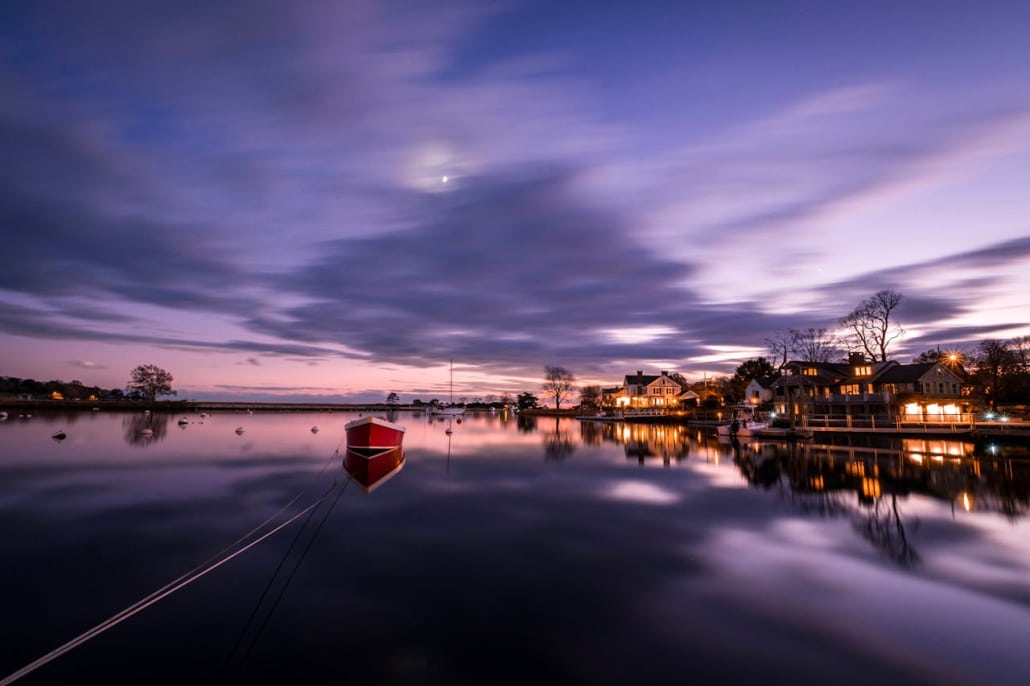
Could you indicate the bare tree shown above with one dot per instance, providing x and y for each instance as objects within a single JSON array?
[
  {"x": 782, "y": 344},
  {"x": 871, "y": 324},
  {"x": 818, "y": 345},
  {"x": 559, "y": 383},
  {"x": 995, "y": 361},
  {"x": 590, "y": 396},
  {"x": 151, "y": 381},
  {"x": 1020, "y": 347}
]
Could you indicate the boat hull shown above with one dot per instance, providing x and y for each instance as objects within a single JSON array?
[
  {"x": 372, "y": 467},
  {"x": 374, "y": 432},
  {"x": 752, "y": 429}
]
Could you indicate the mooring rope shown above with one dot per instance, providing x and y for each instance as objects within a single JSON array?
[
  {"x": 271, "y": 582},
  {"x": 289, "y": 580},
  {"x": 206, "y": 567}
]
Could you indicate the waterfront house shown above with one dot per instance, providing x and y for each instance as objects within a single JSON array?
[
  {"x": 646, "y": 391},
  {"x": 758, "y": 392},
  {"x": 929, "y": 391}
]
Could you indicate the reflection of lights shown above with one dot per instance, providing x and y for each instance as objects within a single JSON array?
[
  {"x": 989, "y": 416},
  {"x": 817, "y": 483},
  {"x": 967, "y": 503},
  {"x": 916, "y": 457},
  {"x": 871, "y": 488},
  {"x": 1003, "y": 418}
]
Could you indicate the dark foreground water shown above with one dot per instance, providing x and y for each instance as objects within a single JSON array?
[{"x": 511, "y": 551}]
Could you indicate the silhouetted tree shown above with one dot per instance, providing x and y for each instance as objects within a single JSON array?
[
  {"x": 392, "y": 398},
  {"x": 994, "y": 362},
  {"x": 871, "y": 324},
  {"x": 527, "y": 401},
  {"x": 755, "y": 368},
  {"x": 818, "y": 345},
  {"x": 590, "y": 397},
  {"x": 783, "y": 344},
  {"x": 559, "y": 383},
  {"x": 150, "y": 381}
]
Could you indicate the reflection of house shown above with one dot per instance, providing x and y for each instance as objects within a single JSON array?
[
  {"x": 640, "y": 391},
  {"x": 928, "y": 391}
]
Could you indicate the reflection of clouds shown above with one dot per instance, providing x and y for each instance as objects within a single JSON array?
[
  {"x": 794, "y": 573},
  {"x": 641, "y": 492}
]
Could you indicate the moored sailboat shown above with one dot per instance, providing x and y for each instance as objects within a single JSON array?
[{"x": 450, "y": 410}]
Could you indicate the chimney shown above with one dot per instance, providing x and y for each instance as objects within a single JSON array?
[
  {"x": 640, "y": 372},
  {"x": 856, "y": 358}
]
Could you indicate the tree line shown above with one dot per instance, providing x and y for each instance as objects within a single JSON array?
[{"x": 146, "y": 382}]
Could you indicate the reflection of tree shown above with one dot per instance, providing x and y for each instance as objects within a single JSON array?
[
  {"x": 558, "y": 444},
  {"x": 144, "y": 429},
  {"x": 760, "y": 465},
  {"x": 591, "y": 433},
  {"x": 883, "y": 527},
  {"x": 526, "y": 423}
]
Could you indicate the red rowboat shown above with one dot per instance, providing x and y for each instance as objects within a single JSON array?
[
  {"x": 372, "y": 467},
  {"x": 374, "y": 432}
]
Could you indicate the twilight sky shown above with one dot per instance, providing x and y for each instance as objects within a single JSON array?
[{"x": 332, "y": 199}]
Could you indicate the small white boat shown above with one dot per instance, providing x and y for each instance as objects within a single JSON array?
[
  {"x": 745, "y": 423},
  {"x": 183, "y": 421},
  {"x": 146, "y": 432},
  {"x": 59, "y": 435}
]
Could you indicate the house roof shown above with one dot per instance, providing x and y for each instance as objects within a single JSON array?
[
  {"x": 826, "y": 373},
  {"x": 907, "y": 373},
  {"x": 640, "y": 379}
]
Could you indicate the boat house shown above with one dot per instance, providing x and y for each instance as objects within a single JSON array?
[{"x": 926, "y": 392}]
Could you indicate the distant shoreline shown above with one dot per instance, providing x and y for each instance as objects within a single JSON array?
[{"x": 179, "y": 406}]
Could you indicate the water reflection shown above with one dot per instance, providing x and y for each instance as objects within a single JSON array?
[
  {"x": 866, "y": 479},
  {"x": 869, "y": 483},
  {"x": 145, "y": 429},
  {"x": 558, "y": 442},
  {"x": 641, "y": 442},
  {"x": 526, "y": 423},
  {"x": 371, "y": 468}
]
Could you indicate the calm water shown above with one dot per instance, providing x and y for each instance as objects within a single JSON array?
[{"x": 511, "y": 551}]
